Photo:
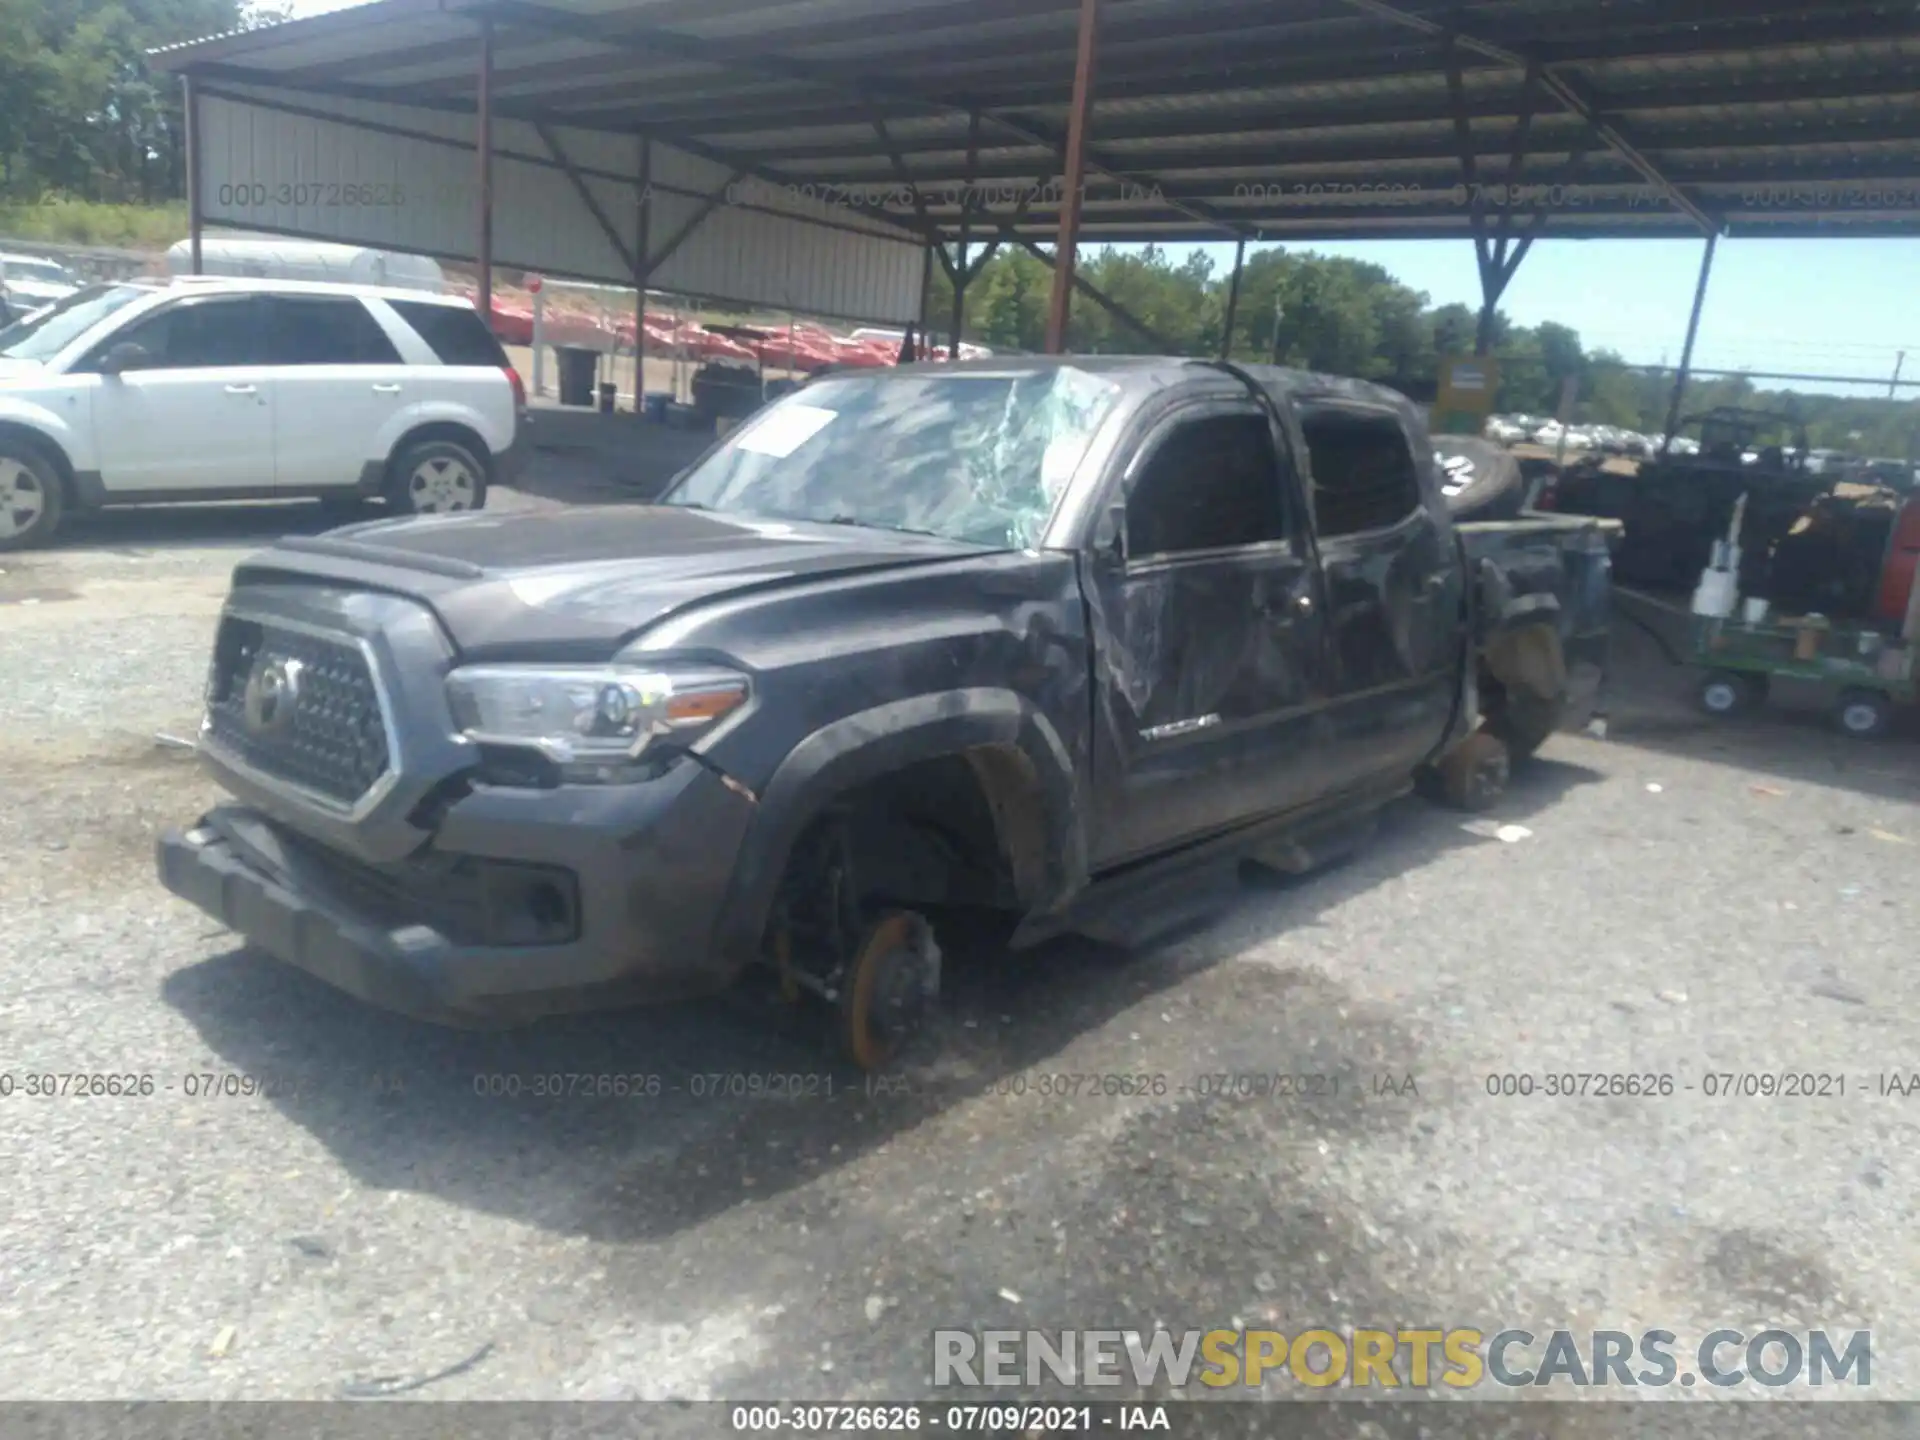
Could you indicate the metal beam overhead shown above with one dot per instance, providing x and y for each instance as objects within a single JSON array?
[
  {"x": 1569, "y": 92},
  {"x": 1716, "y": 111}
]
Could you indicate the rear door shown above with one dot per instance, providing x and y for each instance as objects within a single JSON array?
[
  {"x": 1208, "y": 632},
  {"x": 199, "y": 417},
  {"x": 339, "y": 382},
  {"x": 462, "y": 366},
  {"x": 1394, "y": 589}
]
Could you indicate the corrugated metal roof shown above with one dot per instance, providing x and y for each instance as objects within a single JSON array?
[{"x": 1317, "y": 118}]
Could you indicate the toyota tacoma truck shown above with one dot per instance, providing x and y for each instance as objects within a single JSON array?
[{"x": 1037, "y": 635}]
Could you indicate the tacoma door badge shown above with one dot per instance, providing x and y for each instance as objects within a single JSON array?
[
  {"x": 1180, "y": 727},
  {"x": 272, "y": 695}
]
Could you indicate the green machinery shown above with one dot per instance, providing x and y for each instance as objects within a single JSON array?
[{"x": 1866, "y": 673}]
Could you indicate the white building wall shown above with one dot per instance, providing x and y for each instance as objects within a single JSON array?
[{"x": 403, "y": 178}]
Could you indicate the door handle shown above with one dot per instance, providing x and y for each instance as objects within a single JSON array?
[
  {"x": 242, "y": 390},
  {"x": 386, "y": 389}
]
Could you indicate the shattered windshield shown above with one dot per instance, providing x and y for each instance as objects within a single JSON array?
[{"x": 979, "y": 456}]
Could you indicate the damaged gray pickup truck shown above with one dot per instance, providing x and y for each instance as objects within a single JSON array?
[{"x": 1043, "y": 636}]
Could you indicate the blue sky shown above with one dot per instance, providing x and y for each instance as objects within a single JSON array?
[{"x": 1817, "y": 307}]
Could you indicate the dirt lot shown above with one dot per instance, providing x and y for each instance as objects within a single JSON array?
[{"x": 1686, "y": 898}]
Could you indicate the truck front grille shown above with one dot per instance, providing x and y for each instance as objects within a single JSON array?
[{"x": 298, "y": 707}]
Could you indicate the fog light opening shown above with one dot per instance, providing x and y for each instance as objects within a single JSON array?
[{"x": 547, "y": 907}]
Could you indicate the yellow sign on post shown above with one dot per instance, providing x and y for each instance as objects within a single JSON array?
[{"x": 1468, "y": 385}]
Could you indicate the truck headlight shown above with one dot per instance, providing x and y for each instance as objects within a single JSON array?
[{"x": 591, "y": 721}]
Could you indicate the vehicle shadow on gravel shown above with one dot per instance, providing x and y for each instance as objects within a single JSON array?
[
  {"x": 139, "y": 528},
  {"x": 735, "y": 1100}
]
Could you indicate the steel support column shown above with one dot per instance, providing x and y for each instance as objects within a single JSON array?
[
  {"x": 1060, "y": 302},
  {"x": 642, "y": 240},
  {"x": 1113, "y": 307},
  {"x": 958, "y": 270},
  {"x": 1686, "y": 350},
  {"x": 1233, "y": 301},
  {"x": 483, "y": 161},
  {"x": 196, "y": 222}
]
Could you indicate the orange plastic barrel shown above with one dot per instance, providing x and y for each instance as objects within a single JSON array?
[{"x": 1903, "y": 555}]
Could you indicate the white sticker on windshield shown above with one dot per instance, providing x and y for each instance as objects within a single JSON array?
[{"x": 785, "y": 428}]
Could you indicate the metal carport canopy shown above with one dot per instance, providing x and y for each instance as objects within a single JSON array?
[{"x": 1209, "y": 119}]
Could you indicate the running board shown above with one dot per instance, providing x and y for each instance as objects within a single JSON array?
[{"x": 1150, "y": 899}]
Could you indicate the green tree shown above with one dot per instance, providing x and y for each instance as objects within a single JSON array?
[
  {"x": 1353, "y": 318},
  {"x": 80, "y": 113},
  {"x": 1010, "y": 302}
]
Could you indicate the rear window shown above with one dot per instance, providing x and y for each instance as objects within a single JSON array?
[
  {"x": 455, "y": 333},
  {"x": 1363, "y": 471}
]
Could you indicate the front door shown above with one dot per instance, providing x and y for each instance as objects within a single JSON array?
[
  {"x": 199, "y": 415},
  {"x": 1395, "y": 626},
  {"x": 1209, "y": 636}
]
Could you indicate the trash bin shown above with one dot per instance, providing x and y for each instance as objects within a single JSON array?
[
  {"x": 609, "y": 392},
  {"x": 578, "y": 369},
  {"x": 656, "y": 406}
]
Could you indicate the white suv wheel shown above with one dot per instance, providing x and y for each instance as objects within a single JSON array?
[
  {"x": 439, "y": 484},
  {"x": 438, "y": 477},
  {"x": 29, "y": 500},
  {"x": 22, "y": 498}
]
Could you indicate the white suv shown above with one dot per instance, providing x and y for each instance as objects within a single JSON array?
[{"x": 197, "y": 389}]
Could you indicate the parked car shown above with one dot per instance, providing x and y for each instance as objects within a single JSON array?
[
  {"x": 31, "y": 282},
  {"x": 223, "y": 389},
  {"x": 1047, "y": 637}
]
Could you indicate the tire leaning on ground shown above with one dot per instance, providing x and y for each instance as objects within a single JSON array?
[
  {"x": 436, "y": 477},
  {"x": 1524, "y": 693},
  {"x": 1524, "y": 722},
  {"x": 1473, "y": 775},
  {"x": 31, "y": 496}
]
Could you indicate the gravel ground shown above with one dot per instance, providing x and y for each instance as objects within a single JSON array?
[{"x": 1687, "y": 898}]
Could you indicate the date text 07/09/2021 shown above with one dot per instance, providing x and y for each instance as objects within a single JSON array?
[{"x": 957, "y": 1419}]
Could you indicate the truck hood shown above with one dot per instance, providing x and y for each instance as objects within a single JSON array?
[{"x": 580, "y": 582}]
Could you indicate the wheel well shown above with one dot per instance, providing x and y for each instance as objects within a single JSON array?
[
  {"x": 46, "y": 447},
  {"x": 965, "y": 829},
  {"x": 443, "y": 430}
]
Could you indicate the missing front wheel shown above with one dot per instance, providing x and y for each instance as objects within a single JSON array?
[{"x": 877, "y": 970}]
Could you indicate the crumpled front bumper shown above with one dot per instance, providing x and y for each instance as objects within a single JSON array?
[{"x": 650, "y": 865}]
